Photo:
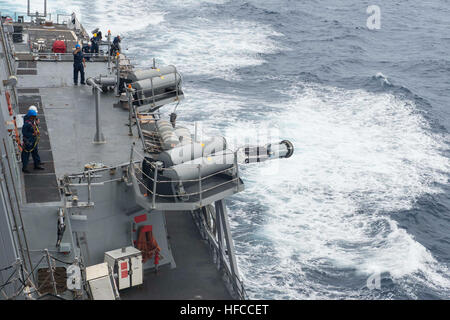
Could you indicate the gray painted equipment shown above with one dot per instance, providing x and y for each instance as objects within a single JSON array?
[
  {"x": 184, "y": 135},
  {"x": 167, "y": 134},
  {"x": 283, "y": 149},
  {"x": 189, "y": 152},
  {"x": 141, "y": 74},
  {"x": 200, "y": 167},
  {"x": 156, "y": 86},
  {"x": 105, "y": 208}
]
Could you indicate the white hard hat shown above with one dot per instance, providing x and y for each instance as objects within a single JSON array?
[{"x": 33, "y": 108}]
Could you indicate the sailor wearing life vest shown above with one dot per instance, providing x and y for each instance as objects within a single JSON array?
[{"x": 30, "y": 134}]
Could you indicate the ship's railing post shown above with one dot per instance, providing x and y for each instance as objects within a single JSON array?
[
  {"x": 50, "y": 268},
  {"x": 130, "y": 110},
  {"x": 141, "y": 136},
  {"x": 89, "y": 187},
  {"x": 109, "y": 50},
  {"x": 176, "y": 83},
  {"x": 155, "y": 181},
  {"x": 153, "y": 91},
  {"x": 199, "y": 167},
  {"x": 195, "y": 131},
  {"x": 117, "y": 75},
  {"x": 219, "y": 233},
  {"x": 132, "y": 153},
  {"x": 98, "y": 138}
]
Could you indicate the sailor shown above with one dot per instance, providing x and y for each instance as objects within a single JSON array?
[
  {"x": 94, "y": 45},
  {"x": 86, "y": 49},
  {"x": 99, "y": 36},
  {"x": 115, "y": 47},
  {"x": 31, "y": 135},
  {"x": 79, "y": 63}
]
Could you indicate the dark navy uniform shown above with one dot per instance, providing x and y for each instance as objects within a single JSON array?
[
  {"x": 30, "y": 134},
  {"x": 78, "y": 66},
  {"x": 94, "y": 45}
]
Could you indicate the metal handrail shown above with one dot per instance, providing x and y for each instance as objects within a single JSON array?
[{"x": 201, "y": 190}]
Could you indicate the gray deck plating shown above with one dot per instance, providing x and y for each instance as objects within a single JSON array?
[
  {"x": 70, "y": 121},
  {"x": 195, "y": 276}
]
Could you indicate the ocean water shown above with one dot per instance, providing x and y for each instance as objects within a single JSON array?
[{"x": 361, "y": 210}]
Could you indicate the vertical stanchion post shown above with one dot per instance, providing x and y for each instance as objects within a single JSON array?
[
  {"x": 155, "y": 179},
  {"x": 219, "y": 232},
  {"x": 200, "y": 184},
  {"x": 117, "y": 75},
  {"x": 51, "y": 271},
  {"x": 132, "y": 152},
  {"x": 109, "y": 50},
  {"x": 98, "y": 138},
  {"x": 229, "y": 241},
  {"x": 195, "y": 131},
  {"x": 89, "y": 187},
  {"x": 130, "y": 106}
]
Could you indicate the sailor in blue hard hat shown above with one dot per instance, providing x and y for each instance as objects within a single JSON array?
[
  {"x": 31, "y": 136},
  {"x": 79, "y": 64}
]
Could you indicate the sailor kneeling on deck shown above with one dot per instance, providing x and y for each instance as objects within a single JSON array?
[
  {"x": 31, "y": 135},
  {"x": 79, "y": 63}
]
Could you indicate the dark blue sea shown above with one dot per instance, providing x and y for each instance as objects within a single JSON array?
[{"x": 362, "y": 209}]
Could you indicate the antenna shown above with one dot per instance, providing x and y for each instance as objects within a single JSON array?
[{"x": 37, "y": 14}]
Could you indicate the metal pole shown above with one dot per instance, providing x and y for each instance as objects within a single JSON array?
[
  {"x": 98, "y": 138},
  {"x": 118, "y": 76},
  {"x": 219, "y": 235},
  {"x": 109, "y": 50},
  {"x": 89, "y": 187},
  {"x": 16, "y": 228},
  {"x": 51, "y": 271},
  {"x": 19, "y": 211},
  {"x": 229, "y": 241},
  {"x": 155, "y": 179},
  {"x": 200, "y": 184},
  {"x": 132, "y": 152},
  {"x": 195, "y": 132},
  {"x": 130, "y": 106},
  {"x": 141, "y": 136}
]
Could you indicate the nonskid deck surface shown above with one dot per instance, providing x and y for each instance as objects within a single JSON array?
[
  {"x": 70, "y": 126},
  {"x": 40, "y": 185},
  {"x": 70, "y": 117}
]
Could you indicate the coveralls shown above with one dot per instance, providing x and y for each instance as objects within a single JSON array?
[
  {"x": 78, "y": 66},
  {"x": 94, "y": 45},
  {"x": 30, "y": 134}
]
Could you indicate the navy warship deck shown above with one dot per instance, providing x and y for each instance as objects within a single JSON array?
[
  {"x": 67, "y": 116},
  {"x": 124, "y": 191}
]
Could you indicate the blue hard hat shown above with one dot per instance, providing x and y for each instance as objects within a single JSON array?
[
  {"x": 32, "y": 113},
  {"x": 77, "y": 46}
]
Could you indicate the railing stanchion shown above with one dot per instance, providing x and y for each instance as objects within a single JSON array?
[
  {"x": 200, "y": 184},
  {"x": 50, "y": 268},
  {"x": 130, "y": 106},
  {"x": 118, "y": 75},
  {"x": 109, "y": 50},
  {"x": 155, "y": 179}
]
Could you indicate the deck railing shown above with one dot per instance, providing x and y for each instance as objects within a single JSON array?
[{"x": 135, "y": 165}]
